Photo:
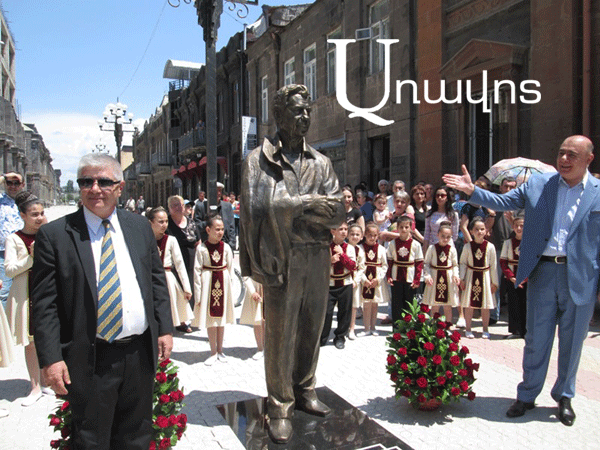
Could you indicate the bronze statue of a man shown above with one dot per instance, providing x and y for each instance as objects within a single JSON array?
[{"x": 291, "y": 198}]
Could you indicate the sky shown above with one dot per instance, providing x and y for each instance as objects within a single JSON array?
[{"x": 73, "y": 57}]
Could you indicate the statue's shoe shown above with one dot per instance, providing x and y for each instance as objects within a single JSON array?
[
  {"x": 280, "y": 430},
  {"x": 313, "y": 406}
]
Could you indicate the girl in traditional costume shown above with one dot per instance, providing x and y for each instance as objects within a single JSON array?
[
  {"x": 252, "y": 314},
  {"x": 355, "y": 235},
  {"x": 479, "y": 277},
  {"x": 441, "y": 272},
  {"x": 517, "y": 296},
  {"x": 17, "y": 264},
  {"x": 213, "y": 271},
  {"x": 180, "y": 291},
  {"x": 374, "y": 290}
]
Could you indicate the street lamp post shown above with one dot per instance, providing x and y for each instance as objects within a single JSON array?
[
  {"x": 209, "y": 18},
  {"x": 115, "y": 116}
]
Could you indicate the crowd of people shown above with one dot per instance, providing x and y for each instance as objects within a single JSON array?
[{"x": 175, "y": 270}]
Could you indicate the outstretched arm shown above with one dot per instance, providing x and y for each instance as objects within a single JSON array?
[{"x": 460, "y": 182}]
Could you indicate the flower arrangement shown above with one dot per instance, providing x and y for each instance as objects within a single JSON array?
[
  {"x": 168, "y": 425},
  {"x": 425, "y": 361}
]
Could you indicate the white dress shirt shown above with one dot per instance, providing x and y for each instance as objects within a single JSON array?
[
  {"x": 567, "y": 202},
  {"x": 134, "y": 315}
]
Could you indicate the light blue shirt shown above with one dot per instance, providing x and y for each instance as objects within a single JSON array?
[
  {"x": 567, "y": 202},
  {"x": 10, "y": 219}
]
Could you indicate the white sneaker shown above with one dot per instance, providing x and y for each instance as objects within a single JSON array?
[
  {"x": 461, "y": 323},
  {"x": 222, "y": 357},
  {"x": 374, "y": 333},
  {"x": 351, "y": 335},
  {"x": 361, "y": 334},
  {"x": 258, "y": 355},
  {"x": 469, "y": 334},
  {"x": 47, "y": 390},
  {"x": 31, "y": 399},
  {"x": 369, "y": 333},
  {"x": 211, "y": 360},
  {"x": 485, "y": 335}
]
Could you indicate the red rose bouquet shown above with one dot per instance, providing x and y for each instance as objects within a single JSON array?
[
  {"x": 425, "y": 360},
  {"x": 168, "y": 425}
]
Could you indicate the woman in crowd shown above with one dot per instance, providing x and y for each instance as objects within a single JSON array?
[
  {"x": 441, "y": 211},
  {"x": 183, "y": 229},
  {"x": 417, "y": 200},
  {"x": 353, "y": 214}
]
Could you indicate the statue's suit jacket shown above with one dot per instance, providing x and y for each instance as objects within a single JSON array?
[
  {"x": 538, "y": 198},
  {"x": 65, "y": 294}
]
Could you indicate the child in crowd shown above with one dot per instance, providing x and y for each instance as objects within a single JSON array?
[
  {"x": 381, "y": 215},
  {"x": 441, "y": 273},
  {"x": 343, "y": 264},
  {"x": 479, "y": 277},
  {"x": 252, "y": 314},
  {"x": 355, "y": 235},
  {"x": 213, "y": 271},
  {"x": 18, "y": 262},
  {"x": 373, "y": 278},
  {"x": 405, "y": 263},
  {"x": 180, "y": 291},
  {"x": 517, "y": 296}
]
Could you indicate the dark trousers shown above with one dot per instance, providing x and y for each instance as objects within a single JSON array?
[
  {"x": 342, "y": 297},
  {"x": 119, "y": 413},
  {"x": 517, "y": 309},
  {"x": 402, "y": 297}
]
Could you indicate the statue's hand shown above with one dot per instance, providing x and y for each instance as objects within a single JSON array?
[{"x": 320, "y": 205}]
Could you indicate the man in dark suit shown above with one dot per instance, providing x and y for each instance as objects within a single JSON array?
[
  {"x": 101, "y": 315},
  {"x": 560, "y": 256}
]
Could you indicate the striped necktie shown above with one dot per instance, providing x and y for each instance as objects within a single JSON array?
[{"x": 110, "y": 309}]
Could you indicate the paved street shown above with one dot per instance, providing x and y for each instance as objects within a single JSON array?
[{"x": 357, "y": 374}]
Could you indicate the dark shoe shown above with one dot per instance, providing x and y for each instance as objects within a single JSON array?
[
  {"x": 565, "y": 412},
  {"x": 184, "y": 328},
  {"x": 493, "y": 321},
  {"x": 339, "y": 344},
  {"x": 386, "y": 321},
  {"x": 314, "y": 407},
  {"x": 513, "y": 336},
  {"x": 280, "y": 430},
  {"x": 518, "y": 408}
]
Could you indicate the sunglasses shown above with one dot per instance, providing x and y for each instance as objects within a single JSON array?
[
  {"x": 13, "y": 183},
  {"x": 103, "y": 183},
  {"x": 441, "y": 195}
]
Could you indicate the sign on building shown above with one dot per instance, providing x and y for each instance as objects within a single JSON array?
[{"x": 249, "y": 138}]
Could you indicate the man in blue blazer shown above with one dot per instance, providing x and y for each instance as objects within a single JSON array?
[{"x": 560, "y": 258}]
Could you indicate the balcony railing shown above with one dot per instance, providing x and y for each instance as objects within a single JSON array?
[
  {"x": 129, "y": 173},
  {"x": 143, "y": 168},
  {"x": 160, "y": 160},
  {"x": 191, "y": 139}
]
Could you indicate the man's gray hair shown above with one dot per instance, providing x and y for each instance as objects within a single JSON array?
[
  {"x": 282, "y": 96},
  {"x": 99, "y": 161}
]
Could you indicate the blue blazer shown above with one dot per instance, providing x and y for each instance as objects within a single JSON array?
[{"x": 538, "y": 198}]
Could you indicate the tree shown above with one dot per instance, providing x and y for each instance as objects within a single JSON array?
[{"x": 69, "y": 187}]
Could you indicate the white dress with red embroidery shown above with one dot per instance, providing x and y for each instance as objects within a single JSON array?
[
  {"x": 509, "y": 257},
  {"x": 357, "y": 275},
  {"x": 213, "y": 272},
  {"x": 441, "y": 265},
  {"x": 172, "y": 260},
  {"x": 252, "y": 311},
  {"x": 340, "y": 273},
  {"x": 375, "y": 267},
  {"x": 479, "y": 271}
]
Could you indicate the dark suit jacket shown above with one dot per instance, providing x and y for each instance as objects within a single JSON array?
[{"x": 65, "y": 294}]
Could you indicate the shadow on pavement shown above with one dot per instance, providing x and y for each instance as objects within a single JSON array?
[
  {"x": 191, "y": 357},
  {"x": 491, "y": 409},
  {"x": 13, "y": 389}
]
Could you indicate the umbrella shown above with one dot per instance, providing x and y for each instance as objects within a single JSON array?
[{"x": 518, "y": 168}]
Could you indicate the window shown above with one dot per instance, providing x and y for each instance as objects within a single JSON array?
[
  {"x": 220, "y": 112},
  {"x": 380, "y": 29},
  {"x": 235, "y": 92},
  {"x": 289, "y": 73},
  {"x": 337, "y": 34},
  {"x": 264, "y": 118},
  {"x": 310, "y": 70}
]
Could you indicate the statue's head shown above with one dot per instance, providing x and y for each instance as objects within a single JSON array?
[{"x": 291, "y": 109}]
